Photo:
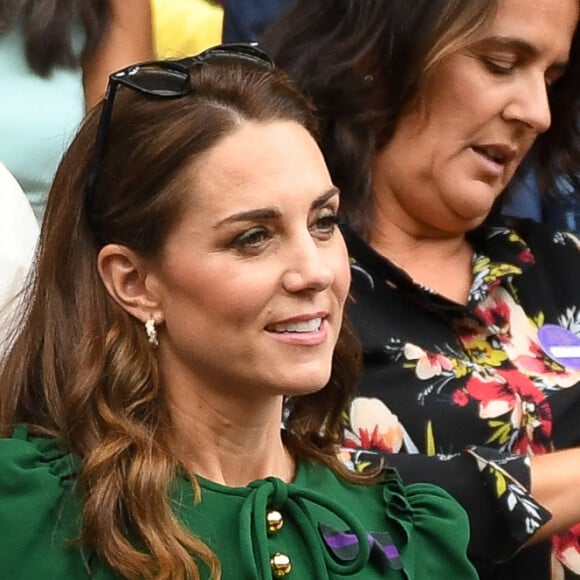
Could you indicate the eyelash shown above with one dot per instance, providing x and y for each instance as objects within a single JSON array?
[
  {"x": 252, "y": 240},
  {"x": 508, "y": 67},
  {"x": 495, "y": 67},
  {"x": 330, "y": 223}
]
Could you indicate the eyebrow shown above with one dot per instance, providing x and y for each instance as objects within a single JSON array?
[
  {"x": 271, "y": 213},
  {"x": 513, "y": 43}
]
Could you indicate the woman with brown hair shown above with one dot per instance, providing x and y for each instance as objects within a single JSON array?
[{"x": 191, "y": 277}]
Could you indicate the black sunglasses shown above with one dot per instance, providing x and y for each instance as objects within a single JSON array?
[{"x": 165, "y": 79}]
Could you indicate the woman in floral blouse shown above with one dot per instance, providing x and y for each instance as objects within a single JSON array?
[{"x": 470, "y": 323}]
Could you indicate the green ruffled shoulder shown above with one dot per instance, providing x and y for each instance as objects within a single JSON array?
[
  {"x": 435, "y": 529},
  {"x": 24, "y": 452},
  {"x": 39, "y": 510},
  {"x": 425, "y": 533},
  {"x": 440, "y": 534}
]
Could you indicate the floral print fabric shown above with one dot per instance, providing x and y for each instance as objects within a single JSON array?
[{"x": 502, "y": 371}]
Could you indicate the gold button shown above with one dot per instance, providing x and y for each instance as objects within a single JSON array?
[
  {"x": 274, "y": 521},
  {"x": 281, "y": 565}
]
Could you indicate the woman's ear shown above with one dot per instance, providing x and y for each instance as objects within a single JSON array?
[{"x": 124, "y": 274}]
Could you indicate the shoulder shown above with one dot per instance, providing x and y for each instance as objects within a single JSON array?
[
  {"x": 415, "y": 501},
  {"x": 556, "y": 261},
  {"x": 437, "y": 531},
  {"x": 543, "y": 240},
  {"x": 419, "y": 526},
  {"x": 549, "y": 259},
  {"x": 40, "y": 459},
  {"x": 40, "y": 501},
  {"x": 413, "y": 508}
]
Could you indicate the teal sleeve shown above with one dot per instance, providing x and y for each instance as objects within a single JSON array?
[
  {"x": 440, "y": 535},
  {"x": 38, "y": 511}
]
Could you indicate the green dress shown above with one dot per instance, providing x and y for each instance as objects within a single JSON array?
[{"x": 318, "y": 527}]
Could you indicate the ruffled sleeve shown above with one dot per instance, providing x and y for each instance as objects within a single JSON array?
[
  {"x": 39, "y": 510},
  {"x": 493, "y": 489},
  {"x": 436, "y": 530}
]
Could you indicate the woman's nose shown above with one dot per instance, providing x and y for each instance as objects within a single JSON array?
[
  {"x": 531, "y": 105},
  {"x": 308, "y": 268}
]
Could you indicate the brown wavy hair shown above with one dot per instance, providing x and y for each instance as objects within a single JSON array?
[
  {"x": 81, "y": 369},
  {"x": 364, "y": 61}
]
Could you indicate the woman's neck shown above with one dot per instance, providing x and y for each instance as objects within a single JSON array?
[
  {"x": 228, "y": 444},
  {"x": 440, "y": 262}
]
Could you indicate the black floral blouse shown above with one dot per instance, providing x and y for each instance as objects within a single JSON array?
[{"x": 502, "y": 372}]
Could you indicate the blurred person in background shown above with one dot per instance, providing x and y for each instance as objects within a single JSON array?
[
  {"x": 246, "y": 20},
  {"x": 184, "y": 27},
  {"x": 558, "y": 207},
  {"x": 55, "y": 58},
  {"x": 18, "y": 238}
]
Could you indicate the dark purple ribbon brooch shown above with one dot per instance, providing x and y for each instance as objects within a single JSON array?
[{"x": 344, "y": 547}]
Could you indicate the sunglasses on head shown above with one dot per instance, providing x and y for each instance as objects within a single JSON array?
[{"x": 164, "y": 79}]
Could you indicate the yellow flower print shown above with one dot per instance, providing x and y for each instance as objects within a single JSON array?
[
  {"x": 501, "y": 270},
  {"x": 484, "y": 354}
]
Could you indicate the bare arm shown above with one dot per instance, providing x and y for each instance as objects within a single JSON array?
[
  {"x": 555, "y": 481},
  {"x": 128, "y": 39}
]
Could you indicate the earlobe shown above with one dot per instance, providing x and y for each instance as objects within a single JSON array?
[{"x": 124, "y": 274}]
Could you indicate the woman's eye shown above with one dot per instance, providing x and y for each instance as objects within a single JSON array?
[
  {"x": 250, "y": 239},
  {"x": 499, "y": 66},
  {"x": 326, "y": 223}
]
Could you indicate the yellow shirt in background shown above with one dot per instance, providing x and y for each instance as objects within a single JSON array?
[{"x": 185, "y": 27}]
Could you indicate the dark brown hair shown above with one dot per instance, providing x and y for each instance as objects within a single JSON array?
[
  {"x": 48, "y": 26},
  {"x": 81, "y": 368},
  {"x": 364, "y": 61}
]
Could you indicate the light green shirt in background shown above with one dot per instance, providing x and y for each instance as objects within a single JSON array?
[{"x": 38, "y": 117}]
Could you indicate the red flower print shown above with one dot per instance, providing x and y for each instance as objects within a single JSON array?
[
  {"x": 460, "y": 398},
  {"x": 567, "y": 548},
  {"x": 526, "y": 256},
  {"x": 508, "y": 392},
  {"x": 496, "y": 315}
]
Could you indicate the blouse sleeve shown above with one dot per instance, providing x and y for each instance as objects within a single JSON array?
[
  {"x": 492, "y": 488},
  {"x": 38, "y": 514},
  {"x": 439, "y": 534}
]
